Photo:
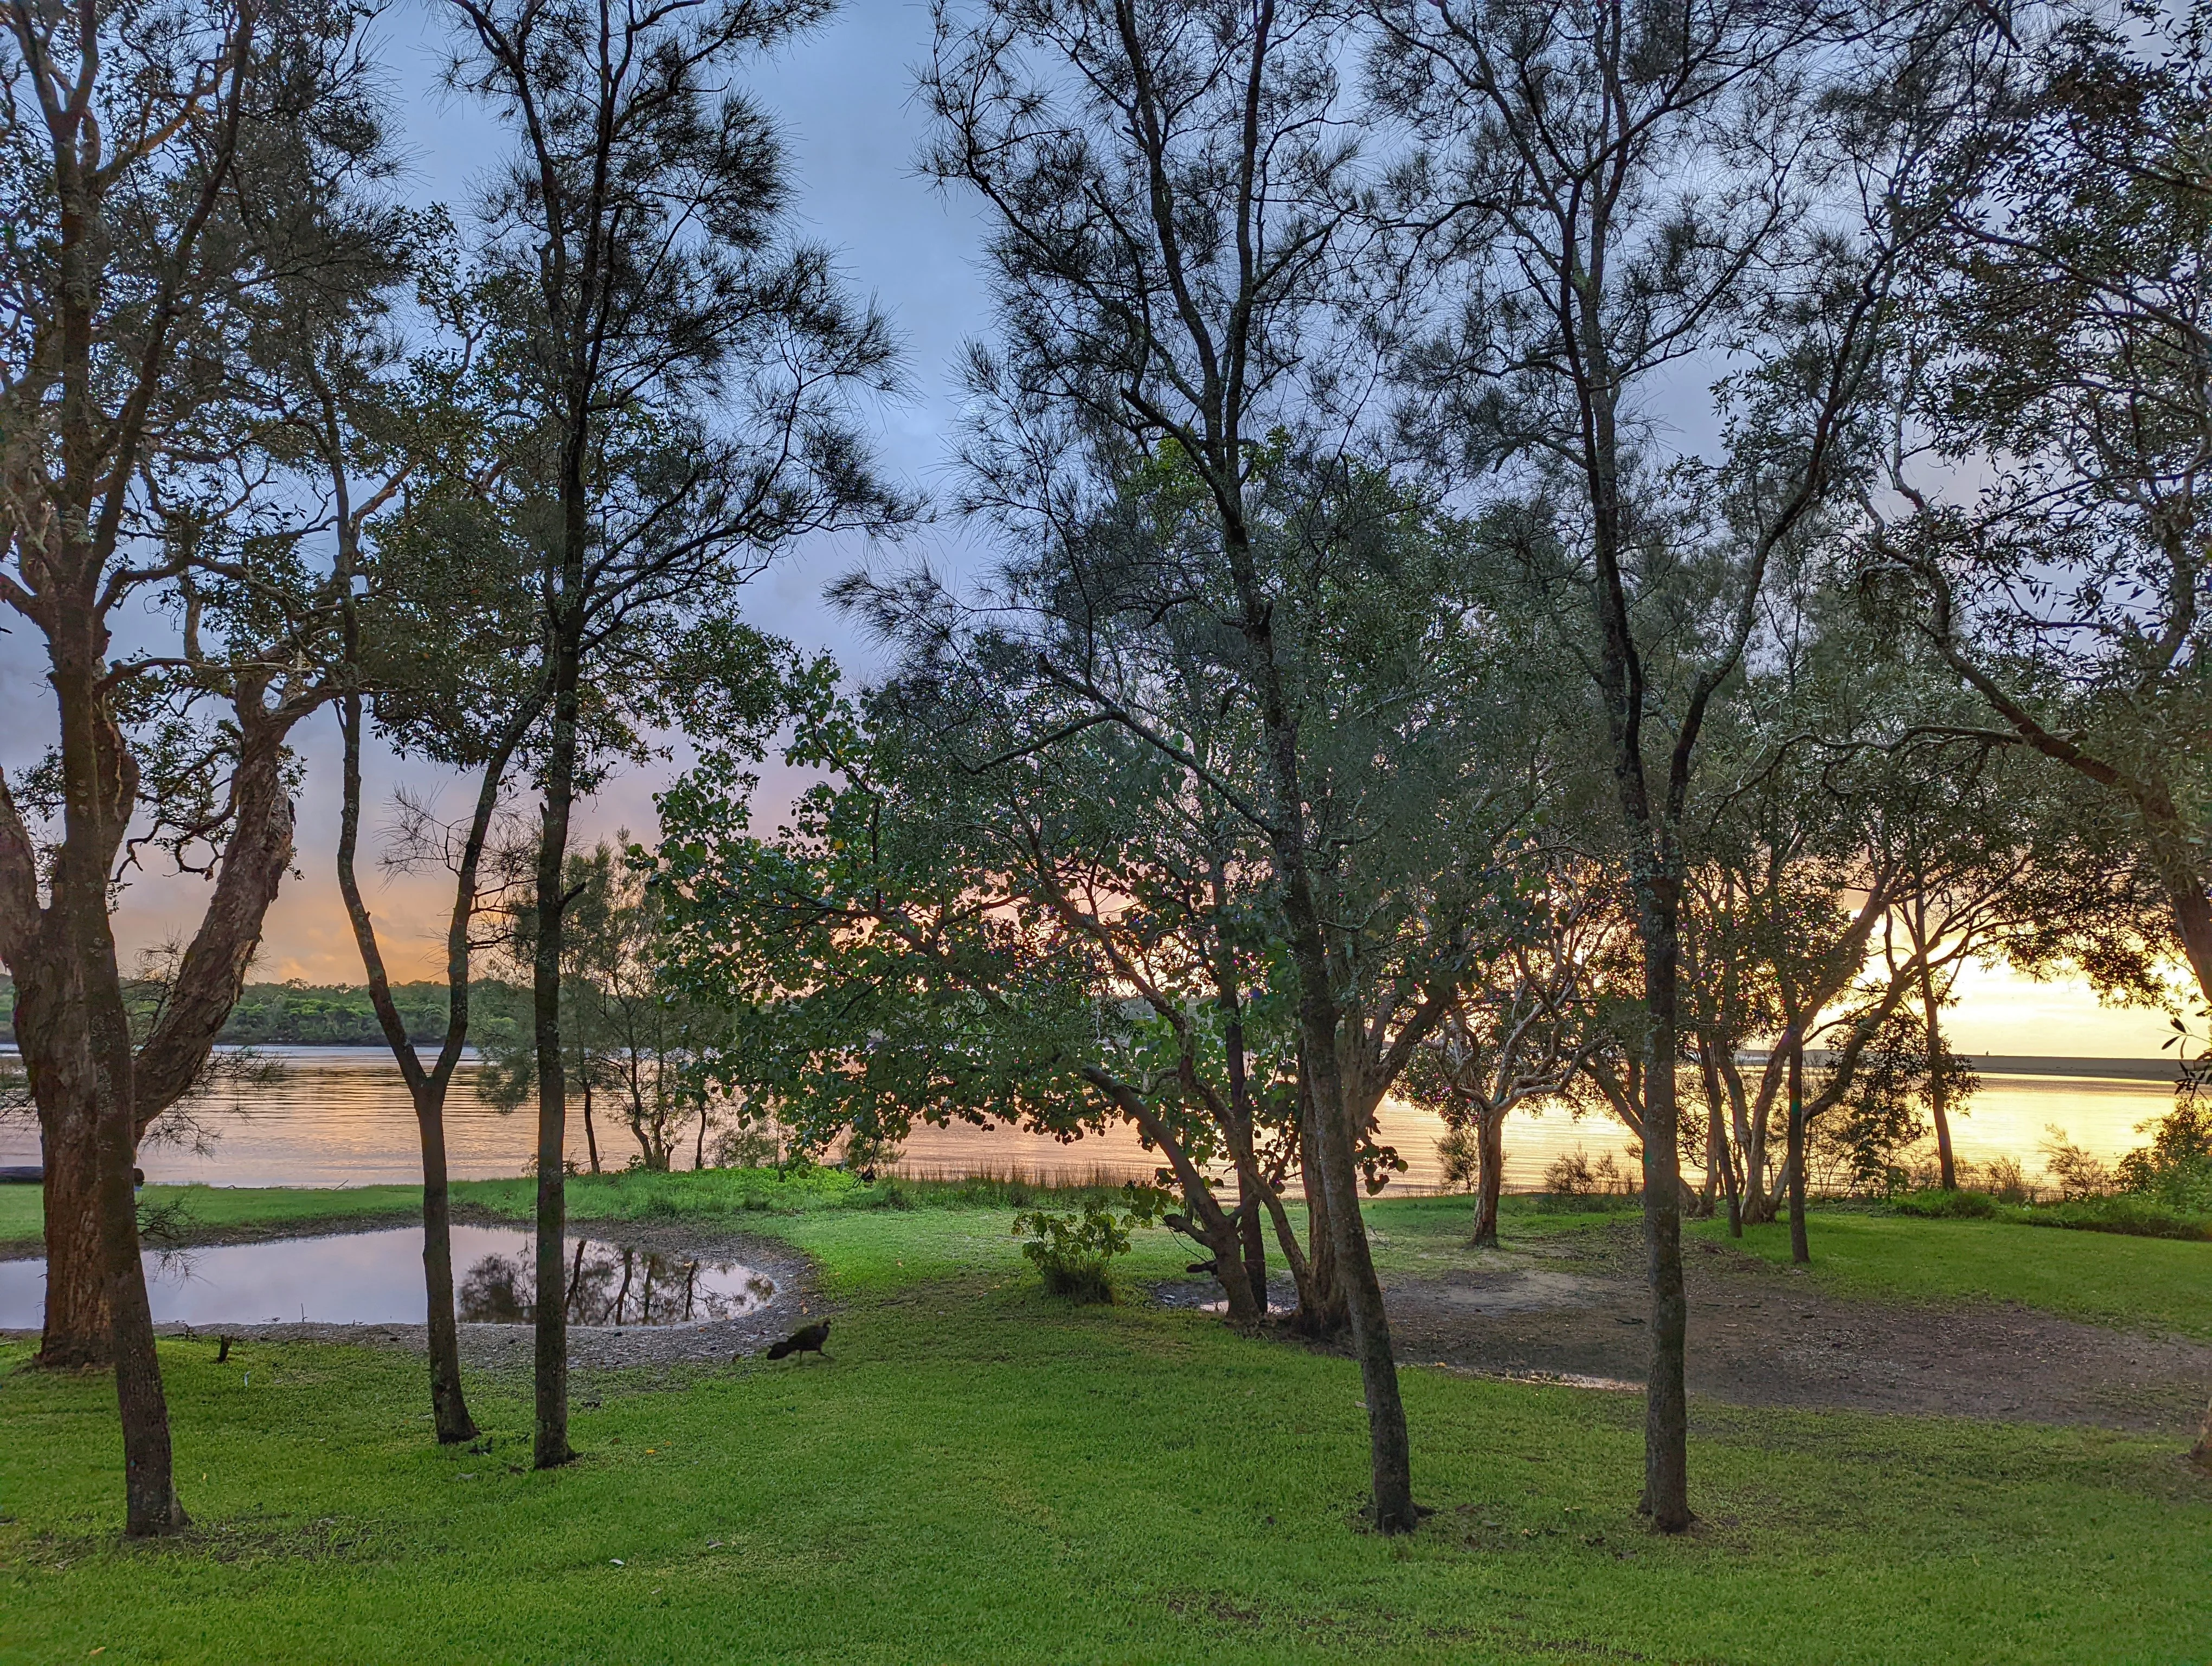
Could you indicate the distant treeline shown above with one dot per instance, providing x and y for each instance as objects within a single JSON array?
[{"x": 330, "y": 1015}]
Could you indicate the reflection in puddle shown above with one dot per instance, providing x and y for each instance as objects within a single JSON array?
[
  {"x": 614, "y": 1285},
  {"x": 376, "y": 1278}
]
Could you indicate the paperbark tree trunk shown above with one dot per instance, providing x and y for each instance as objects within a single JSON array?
[
  {"x": 1716, "y": 1135},
  {"x": 1321, "y": 1312},
  {"x": 1489, "y": 1177},
  {"x": 96, "y": 806},
  {"x": 79, "y": 1320}
]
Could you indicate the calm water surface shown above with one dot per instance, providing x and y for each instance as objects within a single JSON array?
[
  {"x": 341, "y": 1117},
  {"x": 376, "y": 1278}
]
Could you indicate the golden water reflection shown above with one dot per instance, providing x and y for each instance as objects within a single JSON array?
[{"x": 340, "y": 1116}]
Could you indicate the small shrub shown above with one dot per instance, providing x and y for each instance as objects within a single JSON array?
[
  {"x": 753, "y": 1146},
  {"x": 2121, "y": 1213},
  {"x": 1461, "y": 1153},
  {"x": 2077, "y": 1173},
  {"x": 1574, "y": 1175},
  {"x": 1073, "y": 1253},
  {"x": 2176, "y": 1168},
  {"x": 2007, "y": 1183}
]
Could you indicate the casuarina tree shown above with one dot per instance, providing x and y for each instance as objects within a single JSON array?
[{"x": 691, "y": 368}]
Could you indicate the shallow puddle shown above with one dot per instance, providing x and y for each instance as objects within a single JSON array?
[{"x": 376, "y": 1278}]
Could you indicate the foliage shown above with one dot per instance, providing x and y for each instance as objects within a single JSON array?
[
  {"x": 2176, "y": 1168},
  {"x": 1572, "y": 1175},
  {"x": 1858, "y": 1146},
  {"x": 627, "y": 1033},
  {"x": 2077, "y": 1173},
  {"x": 1073, "y": 1253}
]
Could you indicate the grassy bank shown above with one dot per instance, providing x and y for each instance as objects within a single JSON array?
[
  {"x": 231, "y": 1209},
  {"x": 2148, "y": 1284},
  {"x": 983, "y": 1474}
]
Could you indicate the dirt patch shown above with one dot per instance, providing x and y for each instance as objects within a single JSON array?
[{"x": 1762, "y": 1336}]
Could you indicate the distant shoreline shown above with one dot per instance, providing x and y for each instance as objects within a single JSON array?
[{"x": 1987, "y": 1064}]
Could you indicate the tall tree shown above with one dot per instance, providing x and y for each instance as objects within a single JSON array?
[
  {"x": 184, "y": 186},
  {"x": 1621, "y": 188},
  {"x": 1524, "y": 1026},
  {"x": 1161, "y": 181},
  {"x": 691, "y": 369}
]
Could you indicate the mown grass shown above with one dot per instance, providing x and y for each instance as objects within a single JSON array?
[
  {"x": 2156, "y": 1284},
  {"x": 981, "y": 1474}
]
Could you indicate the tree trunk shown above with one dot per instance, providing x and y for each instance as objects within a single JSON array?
[
  {"x": 53, "y": 1034},
  {"x": 1321, "y": 1312},
  {"x": 1390, "y": 1451},
  {"x": 1666, "y": 1403},
  {"x": 151, "y": 1507},
  {"x": 591, "y": 1134},
  {"x": 1490, "y": 1176},
  {"x": 1749, "y": 1117},
  {"x": 1251, "y": 1187},
  {"x": 550, "y": 1445},
  {"x": 1252, "y": 1234},
  {"x": 1939, "y": 1095},
  {"x": 449, "y": 1410},
  {"x": 80, "y": 1321},
  {"x": 1801, "y": 1250},
  {"x": 1219, "y": 1231},
  {"x": 97, "y": 805},
  {"x": 426, "y": 1090},
  {"x": 1717, "y": 1153}
]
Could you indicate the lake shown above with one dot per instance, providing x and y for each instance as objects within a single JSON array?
[{"x": 341, "y": 1117}]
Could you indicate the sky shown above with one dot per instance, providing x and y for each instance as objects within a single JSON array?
[{"x": 844, "y": 97}]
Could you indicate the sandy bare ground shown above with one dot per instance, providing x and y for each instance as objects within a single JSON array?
[{"x": 1763, "y": 1335}]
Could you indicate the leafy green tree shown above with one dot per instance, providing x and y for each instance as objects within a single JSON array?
[
  {"x": 1527, "y": 1022},
  {"x": 1055, "y": 941},
  {"x": 628, "y": 1033},
  {"x": 1170, "y": 246},
  {"x": 189, "y": 194}
]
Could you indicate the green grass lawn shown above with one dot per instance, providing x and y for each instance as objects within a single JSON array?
[
  {"x": 983, "y": 1474},
  {"x": 2156, "y": 1284}
]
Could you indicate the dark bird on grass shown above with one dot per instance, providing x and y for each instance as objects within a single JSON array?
[{"x": 808, "y": 1339}]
